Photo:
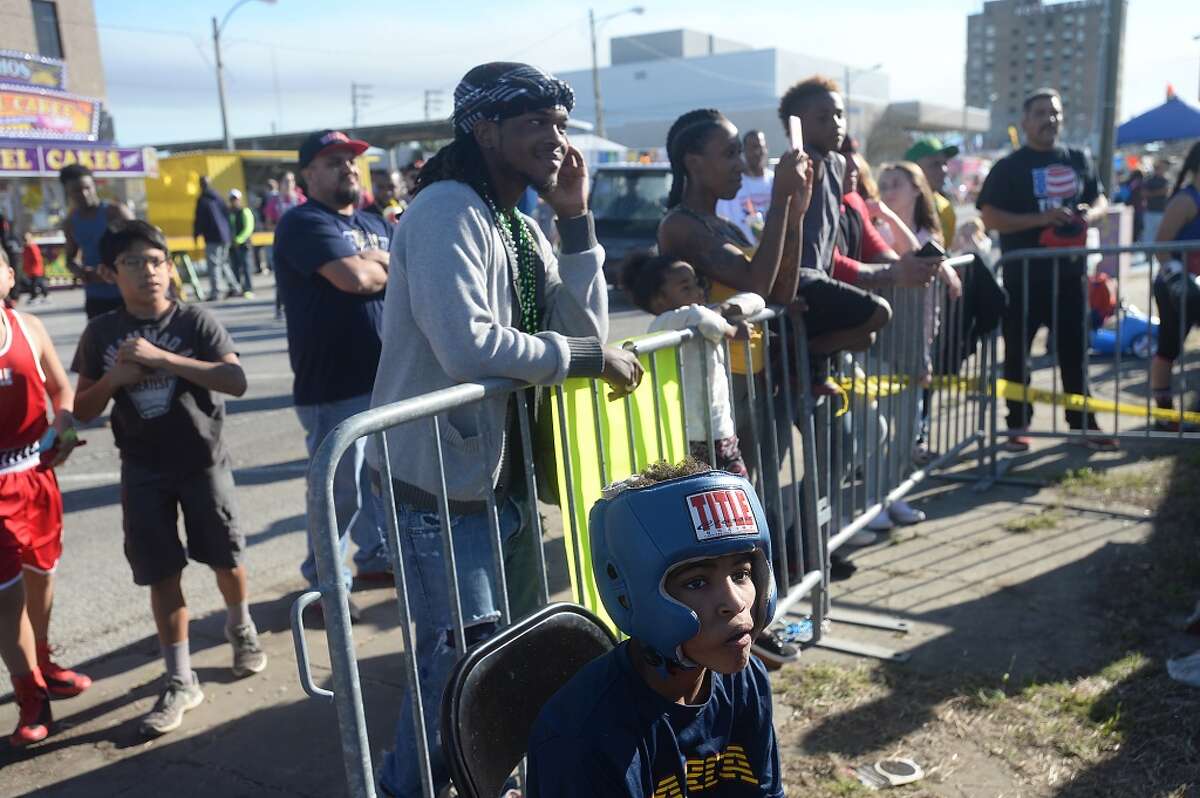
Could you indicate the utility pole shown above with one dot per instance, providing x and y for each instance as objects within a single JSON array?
[
  {"x": 592, "y": 23},
  {"x": 221, "y": 86},
  {"x": 217, "y": 27},
  {"x": 1113, "y": 36},
  {"x": 433, "y": 102},
  {"x": 599, "y": 130},
  {"x": 360, "y": 97},
  {"x": 1196, "y": 38}
]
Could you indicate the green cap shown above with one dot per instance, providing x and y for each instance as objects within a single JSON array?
[{"x": 923, "y": 148}]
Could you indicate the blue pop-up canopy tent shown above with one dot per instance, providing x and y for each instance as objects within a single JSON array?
[{"x": 1173, "y": 120}]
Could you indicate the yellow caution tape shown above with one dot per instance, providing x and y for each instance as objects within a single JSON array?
[
  {"x": 889, "y": 385},
  {"x": 1073, "y": 401}
]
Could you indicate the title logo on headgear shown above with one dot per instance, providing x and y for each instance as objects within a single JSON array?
[{"x": 721, "y": 513}]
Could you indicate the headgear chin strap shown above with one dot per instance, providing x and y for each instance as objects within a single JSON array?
[{"x": 501, "y": 90}]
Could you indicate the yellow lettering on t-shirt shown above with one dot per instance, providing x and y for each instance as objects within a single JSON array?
[
  {"x": 732, "y": 764},
  {"x": 668, "y": 788}
]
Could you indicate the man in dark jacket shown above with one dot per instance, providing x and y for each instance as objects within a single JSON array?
[{"x": 212, "y": 222}]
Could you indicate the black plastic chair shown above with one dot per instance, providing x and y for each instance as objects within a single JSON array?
[{"x": 497, "y": 690}]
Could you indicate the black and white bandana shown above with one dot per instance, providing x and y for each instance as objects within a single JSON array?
[{"x": 502, "y": 90}]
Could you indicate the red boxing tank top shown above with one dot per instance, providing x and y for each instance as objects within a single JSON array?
[{"x": 22, "y": 396}]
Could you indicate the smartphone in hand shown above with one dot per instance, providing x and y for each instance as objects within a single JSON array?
[
  {"x": 796, "y": 133},
  {"x": 931, "y": 250}
]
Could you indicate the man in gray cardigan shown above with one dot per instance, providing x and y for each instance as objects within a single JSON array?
[{"x": 475, "y": 291}]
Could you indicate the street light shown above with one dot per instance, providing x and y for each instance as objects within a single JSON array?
[
  {"x": 220, "y": 75},
  {"x": 1196, "y": 38},
  {"x": 593, "y": 23},
  {"x": 850, "y": 72}
]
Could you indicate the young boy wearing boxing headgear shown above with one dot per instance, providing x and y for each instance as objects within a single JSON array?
[{"x": 682, "y": 559}]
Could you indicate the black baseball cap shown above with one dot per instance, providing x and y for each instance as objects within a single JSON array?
[{"x": 324, "y": 141}]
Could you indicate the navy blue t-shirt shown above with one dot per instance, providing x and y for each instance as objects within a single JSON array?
[
  {"x": 333, "y": 336},
  {"x": 607, "y": 734}
]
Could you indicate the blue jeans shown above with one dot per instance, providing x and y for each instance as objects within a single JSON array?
[
  {"x": 219, "y": 271},
  {"x": 429, "y": 604},
  {"x": 359, "y": 511}
]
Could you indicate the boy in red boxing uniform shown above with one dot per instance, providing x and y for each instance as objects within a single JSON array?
[{"x": 31, "y": 512}]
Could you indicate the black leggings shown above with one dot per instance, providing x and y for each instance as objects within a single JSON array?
[{"x": 1178, "y": 296}]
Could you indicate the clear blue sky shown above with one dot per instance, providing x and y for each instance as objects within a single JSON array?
[{"x": 291, "y": 63}]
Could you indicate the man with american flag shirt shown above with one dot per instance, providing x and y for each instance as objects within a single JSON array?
[{"x": 1044, "y": 195}]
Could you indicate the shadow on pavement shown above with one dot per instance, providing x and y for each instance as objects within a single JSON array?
[
  {"x": 1065, "y": 625},
  {"x": 258, "y": 404}
]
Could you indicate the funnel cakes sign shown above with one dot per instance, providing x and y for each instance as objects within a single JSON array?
[{"x": 43, "y": 114}]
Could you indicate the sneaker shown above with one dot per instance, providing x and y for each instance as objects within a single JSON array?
[
  {"x": 1017, "y": 441},
  {"x": 248, "y": 656},
  {"x": 882, "y": 522},
  {"x": 315, "y": 614},
  {"x": 904, "y": 513},
  {"x": 176, "y": 699},
  {"x": 1100, "y": 444},
  {"x": 840, "y": 569},
  {"x": 773, "y": 649},
  {"x": 247, "y": 295},
  {"x": 375, "y": 578},
  {"x": 33, "y": 710},
  {"x": 864, "y": 537},
  {"x": 60, "y": 682},
  {"x": 922, "y": 455}
]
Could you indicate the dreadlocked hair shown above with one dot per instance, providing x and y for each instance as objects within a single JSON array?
[
  {"x": 1191, "y": 166},
  {"x": 687, "y": 135},
  {"x": 460, "y": 160}
]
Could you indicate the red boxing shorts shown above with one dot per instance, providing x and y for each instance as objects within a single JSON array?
[{"x": 31, "y": 514}]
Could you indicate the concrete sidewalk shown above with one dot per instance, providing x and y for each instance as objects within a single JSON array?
[{"x": 965, "y": 585}]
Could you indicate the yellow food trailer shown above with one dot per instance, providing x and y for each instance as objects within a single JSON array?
[{"x": 171, "y": 197}]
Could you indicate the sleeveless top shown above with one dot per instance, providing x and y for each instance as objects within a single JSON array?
[
  {"x": 719, "y": 292},
  {"x": 87, "y": 233},
  {"x": 22, "y": 396},
  {"x": 1191, "y": 230}
]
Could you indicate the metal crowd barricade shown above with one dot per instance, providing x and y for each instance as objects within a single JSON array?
[
  {"x": 852, "y": 459},
  {"x": 323, "y": 532},
  {"x": 1019, "y": 267},
  {"x": 857, "y": 452}
]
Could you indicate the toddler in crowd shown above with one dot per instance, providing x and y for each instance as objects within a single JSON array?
[{"x": 674, "y": 293}]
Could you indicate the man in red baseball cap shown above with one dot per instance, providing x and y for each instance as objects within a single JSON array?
[
  {"x": 331, "y": 263},
  {"x": 326, "y": 141}
]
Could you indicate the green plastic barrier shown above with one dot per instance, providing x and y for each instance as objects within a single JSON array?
[{"x": 599, "y": 459}]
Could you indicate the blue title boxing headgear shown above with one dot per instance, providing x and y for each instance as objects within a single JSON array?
[{"x": 640, "y": 534}]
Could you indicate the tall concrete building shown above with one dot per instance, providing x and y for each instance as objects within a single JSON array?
[{"x": 1015, "y": 46}]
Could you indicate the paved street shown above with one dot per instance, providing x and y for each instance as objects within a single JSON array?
[{"x": 98, "y": 609}]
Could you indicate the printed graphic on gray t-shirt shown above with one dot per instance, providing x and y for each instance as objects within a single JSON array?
[{"x": 161, "y": 420}]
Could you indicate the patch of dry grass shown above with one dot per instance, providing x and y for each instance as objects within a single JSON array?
[
  {"x": 1044, "y": 519},
  {"x": 1122, "y": 730}
]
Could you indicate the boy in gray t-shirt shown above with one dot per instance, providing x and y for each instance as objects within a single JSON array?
[{"x": 165, "y": 365}]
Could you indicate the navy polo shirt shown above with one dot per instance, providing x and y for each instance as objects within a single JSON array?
[{"x": 333, "y": 336}]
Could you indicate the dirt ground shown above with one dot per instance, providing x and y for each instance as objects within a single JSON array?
[{"x": 1045, "y": 678}]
